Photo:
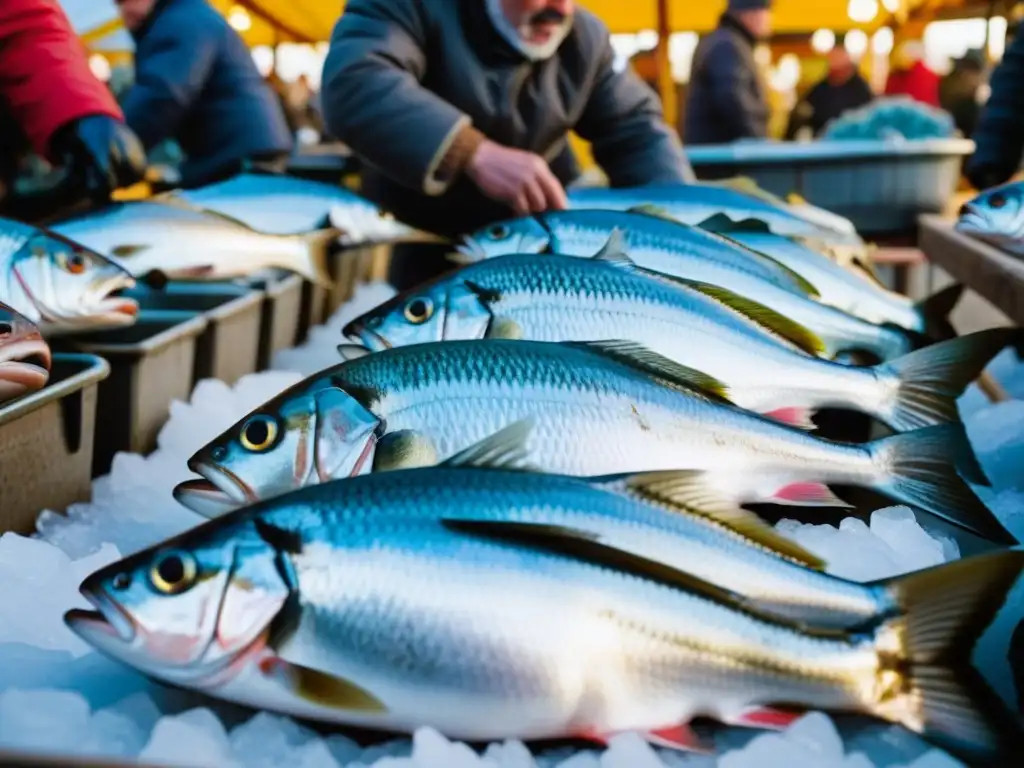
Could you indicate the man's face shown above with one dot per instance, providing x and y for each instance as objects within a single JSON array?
[
  {"x": 759, "y": 22},
  {"x": 134, "y": 12},
  {"x": 542, "y": 24}
]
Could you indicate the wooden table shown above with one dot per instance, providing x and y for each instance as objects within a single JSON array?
[{"x": 990, "y": 272}]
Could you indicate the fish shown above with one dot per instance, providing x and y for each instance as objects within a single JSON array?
[
  {"x": 822, "y": 217},
  {"x": 602, "y": 408},
  {"x": 354, "y": 606},
  {"x": 996, "y": 216},
  {"x": 676, "y": 250},
  {"x": 855, "y": 291},
  {"x": 59, "y": 285},
  {"x": 286, "y": 205},
  {"x": 24, "y": 356},
  {"x": 168, "y": 240},
  {"x": 766, "y": 363}
]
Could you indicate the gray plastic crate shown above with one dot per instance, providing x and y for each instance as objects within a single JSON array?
[
  {"x": 46, "y": 443},
  {"x": 151, "y": 364},
  {"x": 229, "y": 347},
  {"x": 313, "y": 309},
  {"x": 281, "y": 315},
  {"x": 881, "y": 186}
]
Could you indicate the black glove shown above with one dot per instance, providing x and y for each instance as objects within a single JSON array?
[{"x": 102, "y": 154}]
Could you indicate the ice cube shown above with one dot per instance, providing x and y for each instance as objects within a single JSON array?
[
  {"x": 898, "y": 527},
  {"x": 193, "y": 738},
  {"x": 997, "y": 435},
  {"x": 935, "y": 758},
  {"x": 140, "y": 709},
  {"x": 344, "y": 750},
  {"x": 266, "y": 741},
  {"x": 628, "y": 750},
  {"x": 53, "y": 721},
  {"x": 430, "y": 748},
  {"x": 114, "y": 734},
  {"x": 817, "y": 735},
  {"x": 508, "y": 754},
  {"x": 770, "y": 750},
  {"x": 586, "y": 759}
]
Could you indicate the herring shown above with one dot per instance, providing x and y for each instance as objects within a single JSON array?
[
  {"x": 24, "y": 356},
  {"x": 601, "y": 408},
  {"x": 352, "y": 605},
  {"x": 997, "y": 217},
  {"x": 674, "y": 249},
  {"x": 760, "y": 357}
]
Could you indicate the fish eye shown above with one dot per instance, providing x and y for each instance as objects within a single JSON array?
[
  {"x": 173, "y": 572},
  {"x": 259, "y": 433},
  {"x": 499, "y": 232},
  {"x": 6, "y": 329},
  {"x": 419, "y": 310},
  {"x": 121, "y": 581},
  {"x": 997, "y": 200},
  {"x": 71, "y": 262}
]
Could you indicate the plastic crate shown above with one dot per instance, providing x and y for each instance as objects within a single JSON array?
[
  {"x": 313, "y": 309},
  {"x": 151, "y": 365},
  {"x": 281, "y": 314},
  {"x": 881, "y": 186},
  {"x": 229, "y": 347},
  {"x": 46, "y": 443}
]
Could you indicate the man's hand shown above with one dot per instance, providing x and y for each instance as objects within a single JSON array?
[
  {"x": 102, "y": 152},
  {"x": 520, "y": 179}
]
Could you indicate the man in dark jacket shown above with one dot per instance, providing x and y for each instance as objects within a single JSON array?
[
  {"x": 727, "y": 99},
  {"x": 841, "y": 90},
  {"x": 196, "y": 82},
  {"x": 461, "y": 108},
  {"x": 51, "y": 100},
  {"x": 999, "y": 134}
]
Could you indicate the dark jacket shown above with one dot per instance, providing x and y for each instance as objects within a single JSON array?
[
  {"x": 827, "y": 101},
  {"x": 404, "y": 77},
  {"x": 196, "y": 82},
  {"x": 999, "y": 133},
  {"x": 727, "y": 98}
]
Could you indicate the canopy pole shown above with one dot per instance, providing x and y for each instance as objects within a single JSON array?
[{"x": 666, "y": 86}]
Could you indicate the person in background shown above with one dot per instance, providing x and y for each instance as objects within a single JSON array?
[
  {"x": 462, "y": 110},
  {"x": 841, "y": 90},
  {"x": 911, "y": 76},
  {"x": 196, "y": 82},
  {"x": 50, "y": 100},
  {"x": 959, "y": 91},
  {"x": 728, "y": 98},
  {"x": 999, "y": 133}
]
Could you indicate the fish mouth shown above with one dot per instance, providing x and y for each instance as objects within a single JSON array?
[
  {"x": 204, "y": 498},
  {"x": 358, "y": 333},
  {"x": 226, "y": 481},
  {"x": 108, "y": 625}
]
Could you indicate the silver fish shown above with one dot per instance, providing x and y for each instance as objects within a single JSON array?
[
  {"x": 742, "y": 345},
  {"x": 59, "y": 285},
  {"x": 600, "y": 408},
  {"x": 664, "y": 246},
  {"x": 285, "y": 205},
  {"x": 346, "y": 605},
  {"x": 996, "y": 216},
  {"x": 24, "y": 356},
  {"x": 181, "y": 242}
]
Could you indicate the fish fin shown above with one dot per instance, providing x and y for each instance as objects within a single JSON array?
[
  {"x": 920, "y": 468},
  {"x": 768, "y": 718},
  {"x": 487, "y": 296},
  {"x": 935, "y": 311},
  {"x": 688, "y": 492},
  {"x": 614, "y": 251},
  {"x": 504, "y": 328},
  {"x": 678, "y": 737},
  {"x": 649, "y": 209},
  {"x": 640, "y": 357},
  {"x": 722, "y": 224},
  {"x": 947, "y": 609},
  {"x": 318, "y": 246},
  {"x": 931, "y": 379},
  {"x": 404, "y": 449},
  {"x": 769, "y": 319},
  {"x": 339, "y": 417},
  {"x": 808, "y": 494},
  {"x": 794, "y": 416},
  {"x": 321, "y": 688},
  {"x": 124, "y": 251},
  {"x": 352, "y": 351},
  {"x": 505, "y": 449},
  {"x": 199, "y": 272}
]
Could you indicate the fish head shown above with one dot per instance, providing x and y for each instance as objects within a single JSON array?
[
  {"x": 191, "y": 608},
  {"x": 997, "y": 212},
  {"x": 302, "y": 437},
  {"x": 523, "y": 235},
  {"x": 24, "y": 356},
  {"x": 67, "y": 286}
]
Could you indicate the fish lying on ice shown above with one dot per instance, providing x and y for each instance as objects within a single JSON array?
[
  {"x": 24, "y": 356},
  {"x": 180, "y": 242},
  {"x": 680, "y": 251},
  {"x": 565, "y": 298},
  {"x": 600, "y": 408},
  {"x": 59, "y": 285},
  {"x": 352, "y": 605},
  {"x": 997, "y": 217}
]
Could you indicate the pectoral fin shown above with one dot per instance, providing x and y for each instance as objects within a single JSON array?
[
  {"x": 504, "y": 328},
  {"x": 124, "y": 251},
  {"x": 405, "y": 449},
  {"x": 345, "y": 435},
  {"x": 321, "y": 688}
]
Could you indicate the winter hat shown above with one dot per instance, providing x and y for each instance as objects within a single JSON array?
[{"x": 749, "y": 5}]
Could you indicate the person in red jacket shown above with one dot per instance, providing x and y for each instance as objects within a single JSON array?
[
  {"x": 912, "y": 77},
  {"x": 48, "y": 91}
]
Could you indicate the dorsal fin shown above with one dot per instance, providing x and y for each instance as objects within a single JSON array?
[
  {"x": 614, "y": 251},
  {"x": 689, "y": 492},
  {"x": 803, "y": 338},
  {"x": 505, "y": 449},
  {"x": 670, "y": 372},
  {"x": 721, "y": 224},
  {"x": 650, "y": 209}
]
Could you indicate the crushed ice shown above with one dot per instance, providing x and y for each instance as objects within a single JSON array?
[{"x": 59, "y": 696}]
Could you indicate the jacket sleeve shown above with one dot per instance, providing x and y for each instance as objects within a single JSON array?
[
  {"x": 735, "y": 102},
  {"x": 624, "y": 123},
  {"x": 373, "y": 99},
  {"x": 171, "y": 71},
  {"x": 999, "y": 134},
  {"x": 44, "y": 73}
]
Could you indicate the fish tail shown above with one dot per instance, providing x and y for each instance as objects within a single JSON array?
[
  {"x": 925, "y": 680},
  {"x": 319, "y": 245},
  {"x": 935, "y": 311},
  {"x": 919, "y": 468},
  {"x": 931, "y": 379}
]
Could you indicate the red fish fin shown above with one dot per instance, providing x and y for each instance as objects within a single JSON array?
[
  {"x": 795, "y": 417},
  {"x": 594, "y": 736},
  {"x": 766, "y": 717},
  {"x": 679, "y": 737},
  {"x": 809, "y": 494}
]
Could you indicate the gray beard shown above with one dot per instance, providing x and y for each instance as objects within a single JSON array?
[{"x": 516, "y": 37}]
